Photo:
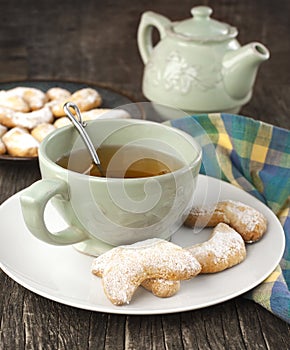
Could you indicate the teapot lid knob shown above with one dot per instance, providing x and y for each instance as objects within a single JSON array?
[{"x": 201, "y": 12}]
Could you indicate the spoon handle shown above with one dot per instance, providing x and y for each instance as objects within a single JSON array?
[{"x": 80, "y": 126}]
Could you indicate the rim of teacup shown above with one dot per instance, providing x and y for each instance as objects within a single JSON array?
[{"x": 43, "y": 157}]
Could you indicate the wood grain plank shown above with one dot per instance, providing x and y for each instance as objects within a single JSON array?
[
  {"x": 12, "y": 334},
  {"x": 144, "y": 332},
  {"x": 256, "y": 327},
  {"x": 115, "y": 332}
]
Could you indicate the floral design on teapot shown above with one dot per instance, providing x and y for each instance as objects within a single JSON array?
[{"x": 181, "y": 76}]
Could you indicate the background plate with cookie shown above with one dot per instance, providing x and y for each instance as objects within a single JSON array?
[{"x": 33, "y": 108}]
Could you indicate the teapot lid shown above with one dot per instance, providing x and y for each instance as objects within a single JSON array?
[{"x": 203, "y": 28}]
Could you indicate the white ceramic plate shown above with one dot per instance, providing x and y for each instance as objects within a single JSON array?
[{"x": 63, "y": 275}]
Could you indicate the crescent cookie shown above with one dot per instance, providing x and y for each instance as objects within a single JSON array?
[
  {"x": 35, "y": 98},
  {"x": 30, "y": 120},
  {"x": 133, "y": 264},
  {"x": 158, "y": 286},
  {"x": 247, "y": 221},
  {"x": 42, "y": 130},
  {"x": 57, "y": 93},
  {"x": 20, "y": 143},
  {"x": 85, "y": 99},
  {"x": 14, "y": 102},
  {"x": 224, "y": 249}
]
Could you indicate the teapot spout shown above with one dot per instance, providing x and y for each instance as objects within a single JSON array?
[{"x": 240, "y": 68}]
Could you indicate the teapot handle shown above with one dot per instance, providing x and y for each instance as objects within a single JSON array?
[{"x": 149, "y": 20}]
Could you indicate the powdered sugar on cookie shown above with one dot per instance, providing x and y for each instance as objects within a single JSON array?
[
  {"x": 35, "y": 98},
  {"x": 130, "y": 265},
  {"x": 19, "y": 142},
  {"x": 247, "y": 221},
  {"x": 224, "y": 249}
]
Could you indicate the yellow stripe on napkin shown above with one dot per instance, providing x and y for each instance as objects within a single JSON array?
[
  {"x": 259, "y": 153},
  {"x": 225, "y": 141},
  {"x": 273, "y": 277},
  {"x": 261, "y": 145}
]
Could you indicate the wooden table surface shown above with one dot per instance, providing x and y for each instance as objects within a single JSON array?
[{"x": 95, "y": 41}]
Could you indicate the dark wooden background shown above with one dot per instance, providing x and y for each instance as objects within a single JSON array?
[{"x": 95, "y": 41}]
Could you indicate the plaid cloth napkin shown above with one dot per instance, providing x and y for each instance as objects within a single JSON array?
[{"x": 254, "y": 156}]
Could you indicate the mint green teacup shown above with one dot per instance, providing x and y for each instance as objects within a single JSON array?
[{"x": 103, "y": 212}]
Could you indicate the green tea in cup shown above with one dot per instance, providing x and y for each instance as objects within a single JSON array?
[{"x": 119, "y": 161}]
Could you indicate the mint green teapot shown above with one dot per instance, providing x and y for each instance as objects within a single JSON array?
[{"x": 198, "y": 65}]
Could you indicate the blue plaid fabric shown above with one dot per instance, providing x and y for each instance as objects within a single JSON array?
[{"x": 254, "y": 156}]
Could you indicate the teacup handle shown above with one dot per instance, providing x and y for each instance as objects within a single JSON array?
[
  {"x": 149, "y": 20},
  {"x": 33, "y": 202}
]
